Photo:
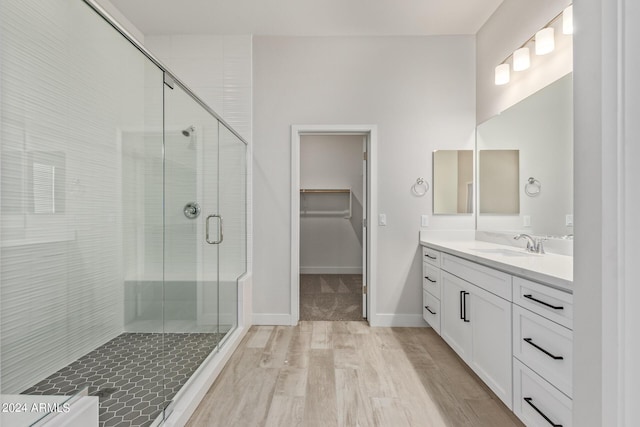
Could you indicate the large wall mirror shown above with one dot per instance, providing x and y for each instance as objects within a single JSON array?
[
  {"x": 452, "y": 182},
  {"x": 527, "y": 152}
]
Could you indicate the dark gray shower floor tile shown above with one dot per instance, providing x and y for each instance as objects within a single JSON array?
[{"x": 135, "y": 375}]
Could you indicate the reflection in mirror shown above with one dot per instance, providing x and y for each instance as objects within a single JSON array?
[
  {"x": 452, "y": 182},
  {"x": 46, "y": 181},
  {"x": 540, "y": 127},
  {"x": 498, "y": 172}
]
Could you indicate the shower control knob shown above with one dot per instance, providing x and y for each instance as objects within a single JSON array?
[{"x": 192, "y": 210}]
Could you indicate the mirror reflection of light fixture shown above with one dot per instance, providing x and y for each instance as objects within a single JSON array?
[
  {"x": 521, "y": 59},
  {"x": 545, "y": 41},
  {"x": 502, "y": 74},
  {"x": 567, "y": 20}
]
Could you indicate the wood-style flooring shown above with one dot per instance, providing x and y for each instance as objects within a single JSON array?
[{"x": 348, "y": 374}]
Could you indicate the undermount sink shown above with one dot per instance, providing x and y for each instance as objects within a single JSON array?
[{"x": 506, "y": 252}]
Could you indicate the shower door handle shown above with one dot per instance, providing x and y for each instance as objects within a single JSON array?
[{"x": 220, "y": 235}]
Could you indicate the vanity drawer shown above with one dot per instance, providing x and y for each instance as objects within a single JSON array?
[
  {"x": 548, "y": 302},
  {"x": 431, "y": 310},
  {"x": 545, "y": 347},
  {"x": 491, "y": 280},
  {"x": 534, "y": 399},
  {"x": 431, "y": 256},
  {"x": 431, "y": 279}
]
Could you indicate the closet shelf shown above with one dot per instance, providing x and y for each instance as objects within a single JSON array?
[
  {"x": 318, "y": 202},
  {"x": 324, "y": 190}
]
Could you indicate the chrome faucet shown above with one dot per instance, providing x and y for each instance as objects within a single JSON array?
[{"x": 533, "y": 245}]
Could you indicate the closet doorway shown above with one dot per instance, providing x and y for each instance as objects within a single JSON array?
[{"x": 331, "y": 206}]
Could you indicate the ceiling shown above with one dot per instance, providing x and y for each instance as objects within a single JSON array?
[{"x": 308, "y": 17}]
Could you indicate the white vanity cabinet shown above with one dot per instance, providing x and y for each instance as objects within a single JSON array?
[
  {"x": 515, "y": 333},
  {"x": 431, "y": 287},
  {"x": 477, "y": 323},
  {"x": 542, "y": 354}
]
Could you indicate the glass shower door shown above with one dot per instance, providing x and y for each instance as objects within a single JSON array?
[{"x": 191, "y": 233}]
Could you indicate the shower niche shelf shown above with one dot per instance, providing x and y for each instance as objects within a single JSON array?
[{"x": 325, "y": 202}]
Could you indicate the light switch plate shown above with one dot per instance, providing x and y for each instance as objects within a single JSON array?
[
  {"x": 569, "y": 220},
  {"x": 424, "y": 220},
  {"x": 526, "y": 221},
  {"x": 382, "y": 219}
]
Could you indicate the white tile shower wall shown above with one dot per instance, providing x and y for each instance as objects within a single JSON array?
[
  {"x": 70, "y": 84},
  {"x": 219, "y": 70},
  {"x": 419, "y": 91}
]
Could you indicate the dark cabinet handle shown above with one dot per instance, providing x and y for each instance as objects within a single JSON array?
[
  {"x": 464, "y": 304},
  {"x": 429, "y": 310},
  {"x": 530, "y": 341},
  {"x": 461, "y": 305},
  {"x": 528, "y": 400},
  {"x": 429, "y": 279},
  {"x": 559, "y": 307},
  {"x": 429, "y": 256}
]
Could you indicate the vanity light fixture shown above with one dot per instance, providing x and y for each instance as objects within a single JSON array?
[
  {"x": 544, "y": 41},
  {"x": 521, "y": 59},
  {"x": 567, "y": 20},
  {"x": 502, "y": 74}
]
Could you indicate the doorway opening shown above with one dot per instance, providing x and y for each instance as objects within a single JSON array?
[{"x": 331, "y": 200}]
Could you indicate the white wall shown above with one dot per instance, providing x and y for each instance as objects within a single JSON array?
[
  {"x": 122, "y": 20},
  {"x": 329, "y": 244},
  {"x": 607, "y": 102},
  {"x": 507, "y": 29},
  {"x": 419, "y": 91}
]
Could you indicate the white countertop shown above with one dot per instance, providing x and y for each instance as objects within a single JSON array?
[{"x": 551, "y": 269}]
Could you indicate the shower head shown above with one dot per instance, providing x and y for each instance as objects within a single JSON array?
[{"x": 188, "y": 131}]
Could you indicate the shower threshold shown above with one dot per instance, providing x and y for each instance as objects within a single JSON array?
[{"x": 135, "y": 375}]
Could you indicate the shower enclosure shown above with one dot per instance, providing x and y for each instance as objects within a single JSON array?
[{"x": 123, "y": 216}]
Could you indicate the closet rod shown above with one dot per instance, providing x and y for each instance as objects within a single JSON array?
[{"x": 319, "y": 190}]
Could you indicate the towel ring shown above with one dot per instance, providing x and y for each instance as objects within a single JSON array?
[
  {"x": 532, "y": 187},
  {"x": 420, "y": 188}
]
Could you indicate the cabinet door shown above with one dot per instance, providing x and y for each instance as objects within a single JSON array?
[
  {"x": 490, "y": 320},
  {"x": 454, "y": 330}
]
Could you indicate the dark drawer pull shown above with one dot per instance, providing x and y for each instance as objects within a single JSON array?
[
  {"x": 530, "y": 341},
  {"x": 429, "y": 279},
  {"x": 429, "y": 256},
  {"x": 528, "y": 400},
  {"x": 559, "y": 307},
  {"x": 464, "y": 304},
  {"x": 461, "y": 306},
  {"x": 429, "y": 310}
]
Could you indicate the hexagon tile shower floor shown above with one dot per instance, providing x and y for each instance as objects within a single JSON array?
[{"x": 135, "y": 375}]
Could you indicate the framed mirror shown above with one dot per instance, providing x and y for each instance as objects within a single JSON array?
[{"x": 453, "y": 185}]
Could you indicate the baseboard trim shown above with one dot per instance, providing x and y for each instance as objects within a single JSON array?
[
  {"x": 269, "y": 319},
  {"x": 330, "y": 270},
  {"x": 399, "y": 320}
]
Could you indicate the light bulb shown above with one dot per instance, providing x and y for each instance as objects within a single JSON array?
[
  {"x": 567, "y": 20},
  {"x": 521, "y": 59},
  {"x": 502, "y": 74},
  {"x": 545, "y": 42}
]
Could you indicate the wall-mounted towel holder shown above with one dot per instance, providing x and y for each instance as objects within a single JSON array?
[
  {"x": 533, "y": 187},
  {"x": 420, "y": 187}
]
